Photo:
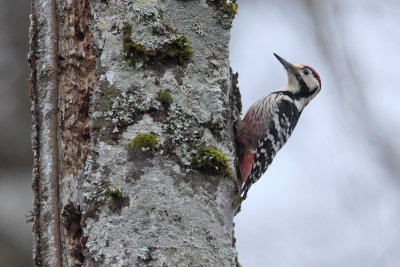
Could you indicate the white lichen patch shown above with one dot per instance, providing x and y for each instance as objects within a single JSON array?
[
  {"x": 126, "y": 105},
  {"x": 110, "y": 77}
]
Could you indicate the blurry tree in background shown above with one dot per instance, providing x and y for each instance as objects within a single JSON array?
[
  {"x": 14, "y": 94},
  {"x": 15, "y": 144},
  {"x": 350, "y": 70}
]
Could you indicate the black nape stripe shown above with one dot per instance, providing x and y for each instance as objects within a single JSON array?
[{"x": 304, "y": 90}]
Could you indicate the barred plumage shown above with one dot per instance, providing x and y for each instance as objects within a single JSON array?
[{"x": 271, "y": 120}]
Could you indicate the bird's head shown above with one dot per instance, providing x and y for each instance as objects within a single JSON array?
[{"x": 304, "y": 82}]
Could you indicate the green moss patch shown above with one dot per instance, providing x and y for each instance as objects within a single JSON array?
[
  {"x": 117, "y": 201},
  {"x": 175, "y": 50},
  {"x": 164, "y": 97},
  {"x": 114, "y": 192},
  {"x": 144, "y": 142},
  {"x": 229, "y": 9},
  {"x": 225, "y": 7},
  {"x": 211, "y": 160}
]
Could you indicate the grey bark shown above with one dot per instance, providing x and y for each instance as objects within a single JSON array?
[{"x": 97, "y": 201}]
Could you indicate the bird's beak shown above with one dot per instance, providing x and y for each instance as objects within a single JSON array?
[{"x": 289, "y": 67}]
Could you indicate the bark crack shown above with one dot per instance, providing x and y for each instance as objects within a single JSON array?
[
  {"x": 54, "y": 133},
  {"x": 35, "y": 135},
  {"x": 76, "y": 82}
]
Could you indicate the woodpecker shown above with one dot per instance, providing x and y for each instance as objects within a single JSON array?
[{"x": 270, "y": 121}]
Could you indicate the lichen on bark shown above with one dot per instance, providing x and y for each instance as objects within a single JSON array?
[
  {"x": 174, "y": 49},
  {"x": 169, "y": 195}
]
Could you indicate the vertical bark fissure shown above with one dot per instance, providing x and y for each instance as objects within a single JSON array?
[
  {"x": 76, "y": 82},
  {"x": 54, "y": 133},
  {"x": 77, "y": 65},
  {"x": 35, "y": 135}
]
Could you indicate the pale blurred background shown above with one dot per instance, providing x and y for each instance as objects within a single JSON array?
[
  {"x": 15, "y": 144},
  {"x": 332, "y": 195},
  {"x": 331, "y": 198}
]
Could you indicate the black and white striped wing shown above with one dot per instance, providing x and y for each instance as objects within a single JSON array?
[{"x": 283, "y": 118}]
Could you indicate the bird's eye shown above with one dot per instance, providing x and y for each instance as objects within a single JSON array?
[{"x": 306, "y": 72}]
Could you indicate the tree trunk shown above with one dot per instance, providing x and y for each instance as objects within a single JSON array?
[{"x": 134, "y": 110}]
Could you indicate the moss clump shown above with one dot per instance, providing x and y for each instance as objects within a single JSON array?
[
  {"x": 229, "y": 9},
  {"x": 135, "y": 51},
  {"x": 225, "y": 7},
  {"x": 175, "y": 50},
  {"x": 114, "y": 192},
  {"x": 164, "y": 97},
  {"x": 132, "y": 50},
  {"x": 117, "y": 201},
  {"x": 211, "y": 160},
  {"x": 144, "y": 142}
]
